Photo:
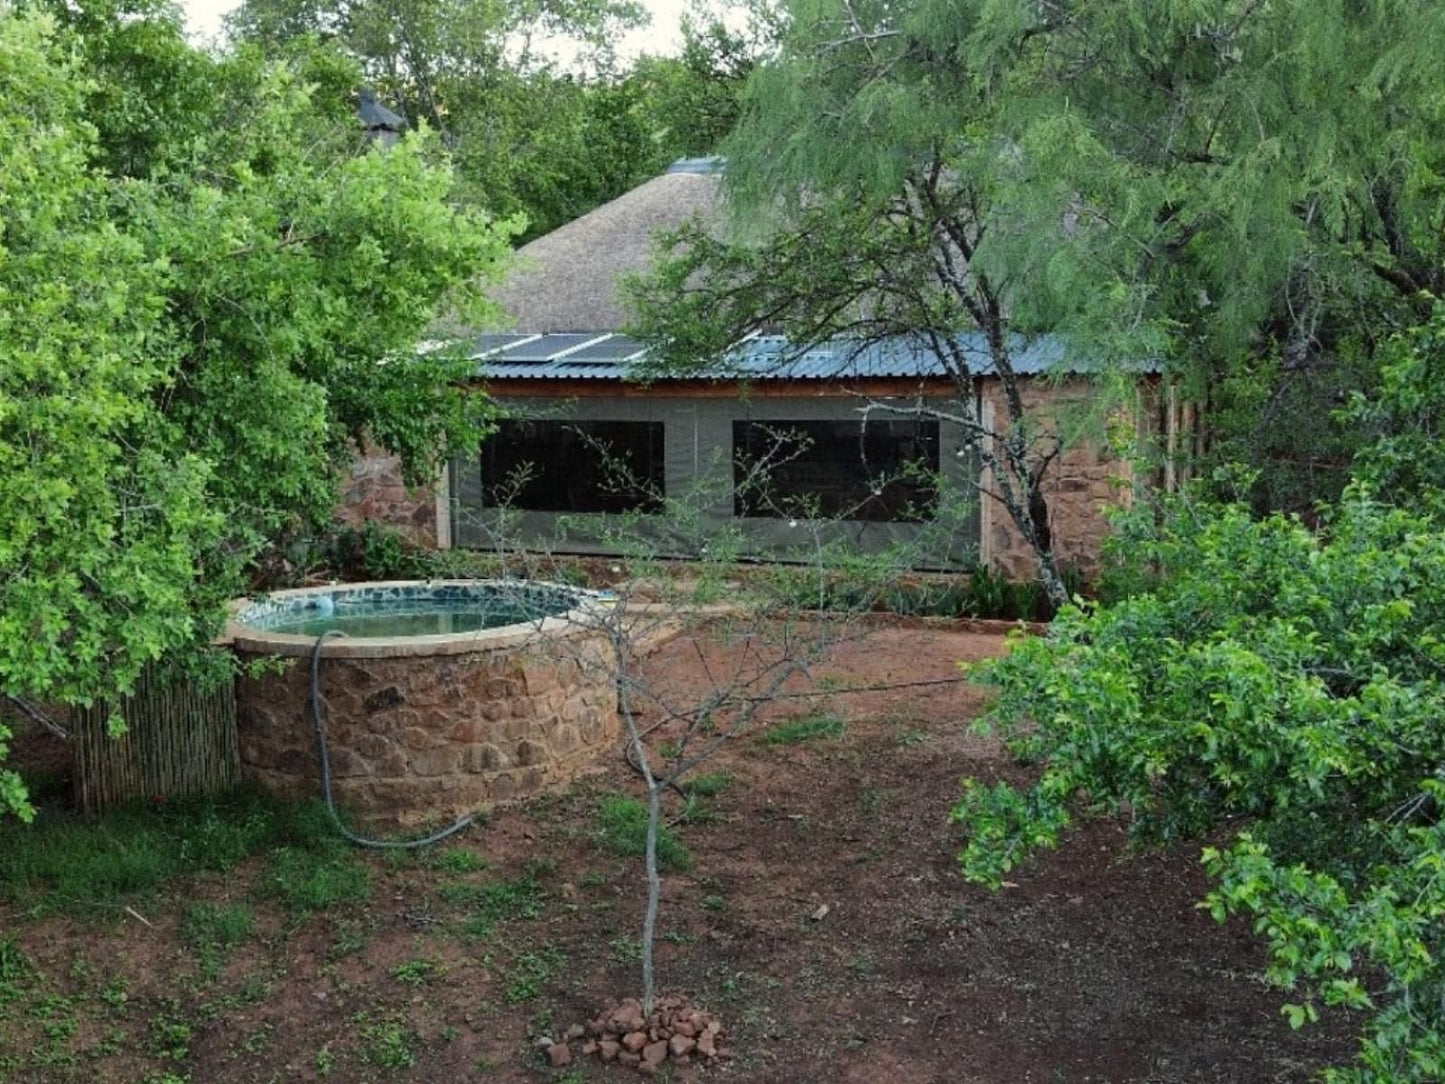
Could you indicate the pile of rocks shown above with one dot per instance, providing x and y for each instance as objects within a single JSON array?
[{"x": 674, "y": 1033}]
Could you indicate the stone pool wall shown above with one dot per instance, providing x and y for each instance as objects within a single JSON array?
[{"x": 424, "y": 738}]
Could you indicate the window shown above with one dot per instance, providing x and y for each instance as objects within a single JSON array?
[
  {"x": 884, "y": 471},
  {"x": 582, "y": 466}
]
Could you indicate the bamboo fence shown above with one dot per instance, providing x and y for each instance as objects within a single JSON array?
[{"x": 180, "y": 741}]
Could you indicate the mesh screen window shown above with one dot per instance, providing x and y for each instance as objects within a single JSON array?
[
  {"x": 881, "y": 472},
  {"x": 576, "y": 466}
]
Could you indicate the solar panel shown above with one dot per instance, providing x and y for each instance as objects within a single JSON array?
[
  {"x": 547, "y": 347},
  {"x": 491, "y": 343},
  {"x": 613, "y": 348}
]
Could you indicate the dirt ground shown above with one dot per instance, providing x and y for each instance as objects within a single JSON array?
[{"x": 1093, "y": 965}]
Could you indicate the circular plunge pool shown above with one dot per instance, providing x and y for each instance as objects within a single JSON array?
[{"x": 441, "y": 697}]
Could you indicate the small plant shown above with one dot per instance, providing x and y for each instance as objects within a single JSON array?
[
  {"x": 325, "y": 1061},
  {"x": 714, "y": 903},
  {"x": 416, "y": 972},
  {"x": 115, "y": 992},
  {"x": 532, "y": 969},
  {"x": 624, "y": 830},
  {"x": 388, "y": 1044},
  {"x": 812, "y": 727},
  {"x": 170, "y": 1036}
]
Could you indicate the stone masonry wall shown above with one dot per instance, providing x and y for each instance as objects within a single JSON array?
[
  {"x": 373, "y": 492},
  {"x": 1085, "y": 481},
  {"x": 429, "y": 738}
]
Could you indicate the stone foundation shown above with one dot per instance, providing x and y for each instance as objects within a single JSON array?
[{"x": 424, "y": 738}]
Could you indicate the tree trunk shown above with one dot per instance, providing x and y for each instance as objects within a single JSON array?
[
  {"x": 1049, "y": 574},
  {"x": 654, "y": 895}
]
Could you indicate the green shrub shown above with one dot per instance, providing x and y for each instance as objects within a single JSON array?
[{"x": 1266, "y": 675}]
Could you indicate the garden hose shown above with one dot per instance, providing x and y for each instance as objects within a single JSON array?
[{"x": 318, "y": 720}]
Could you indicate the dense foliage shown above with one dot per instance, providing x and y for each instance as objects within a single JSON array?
[
  {"x": 530, "y": 133},
  {"x": 1277, "y": 691},
  {"x": 209, "y": 288},
  {"x": 1248, "y": 191}
]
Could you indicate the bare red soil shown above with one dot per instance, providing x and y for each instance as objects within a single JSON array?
[{"x": 1094, "y": 965}]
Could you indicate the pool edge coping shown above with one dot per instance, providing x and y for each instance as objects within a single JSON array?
[{"x": 253, "y": 641}]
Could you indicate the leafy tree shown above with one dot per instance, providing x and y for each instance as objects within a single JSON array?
[
  {"x": 695, "y": 98},
  {"x": 1283, "y": 686},
  {"x": 526, "y": 137},
  {"x": 1206, "y": 183},
  {"x": 211, "y": 290}
]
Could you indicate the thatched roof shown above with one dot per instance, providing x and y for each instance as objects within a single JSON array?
[{"x": 568, "y": 280}]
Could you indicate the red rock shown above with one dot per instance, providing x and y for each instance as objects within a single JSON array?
[
  {"x": 629, "y": 1059},
  {"x": 627, "y": 1018},
  {"x": 635, "y": 1040},
  {"x": 685, "y": 1027},
  {"x": 589, "y": 1048},
  {"x": 609, "y": 1050},
  {"x": 576, "y": 1031},
  {"x": 705, "y": 1046},
  {"x": 681, "y": 1045},
  {"x": 654, "y": 1053},
  {"x": 559, "y": 1055}
]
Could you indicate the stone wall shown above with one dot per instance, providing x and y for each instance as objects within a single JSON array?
[
  {"x": 373, "y": 492},
  {"x": 428, "y": 738},
  {"x": 1085, "y": 481}
]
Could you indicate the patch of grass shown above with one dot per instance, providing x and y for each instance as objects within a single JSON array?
[
  {"x": 349, "y": 938},
  {"x": 497, "y": 901},
  {"x": 67, "y": 861},
  {"x": 416, "y": 972},
  {"x": 625, "y": 950},
  {"x": 222, "y": 925},
  {"x": 458, "y": 860},
  {"x": 624, "y": 830},
  {"x": 214, "y": 929},
  {"x": 811, "y": 727},
  {"x": 872, "y": 799},
  {"x": 531, "y": 970},
  {"x": 706, "y": 786},
  {"x": 309, "y": 880},
  {"x": 714, "y": 903}
]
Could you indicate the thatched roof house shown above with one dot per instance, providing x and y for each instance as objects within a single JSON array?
[
  {"x": 563, "y": 371},
  {"x": 567, "y": 280}
]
